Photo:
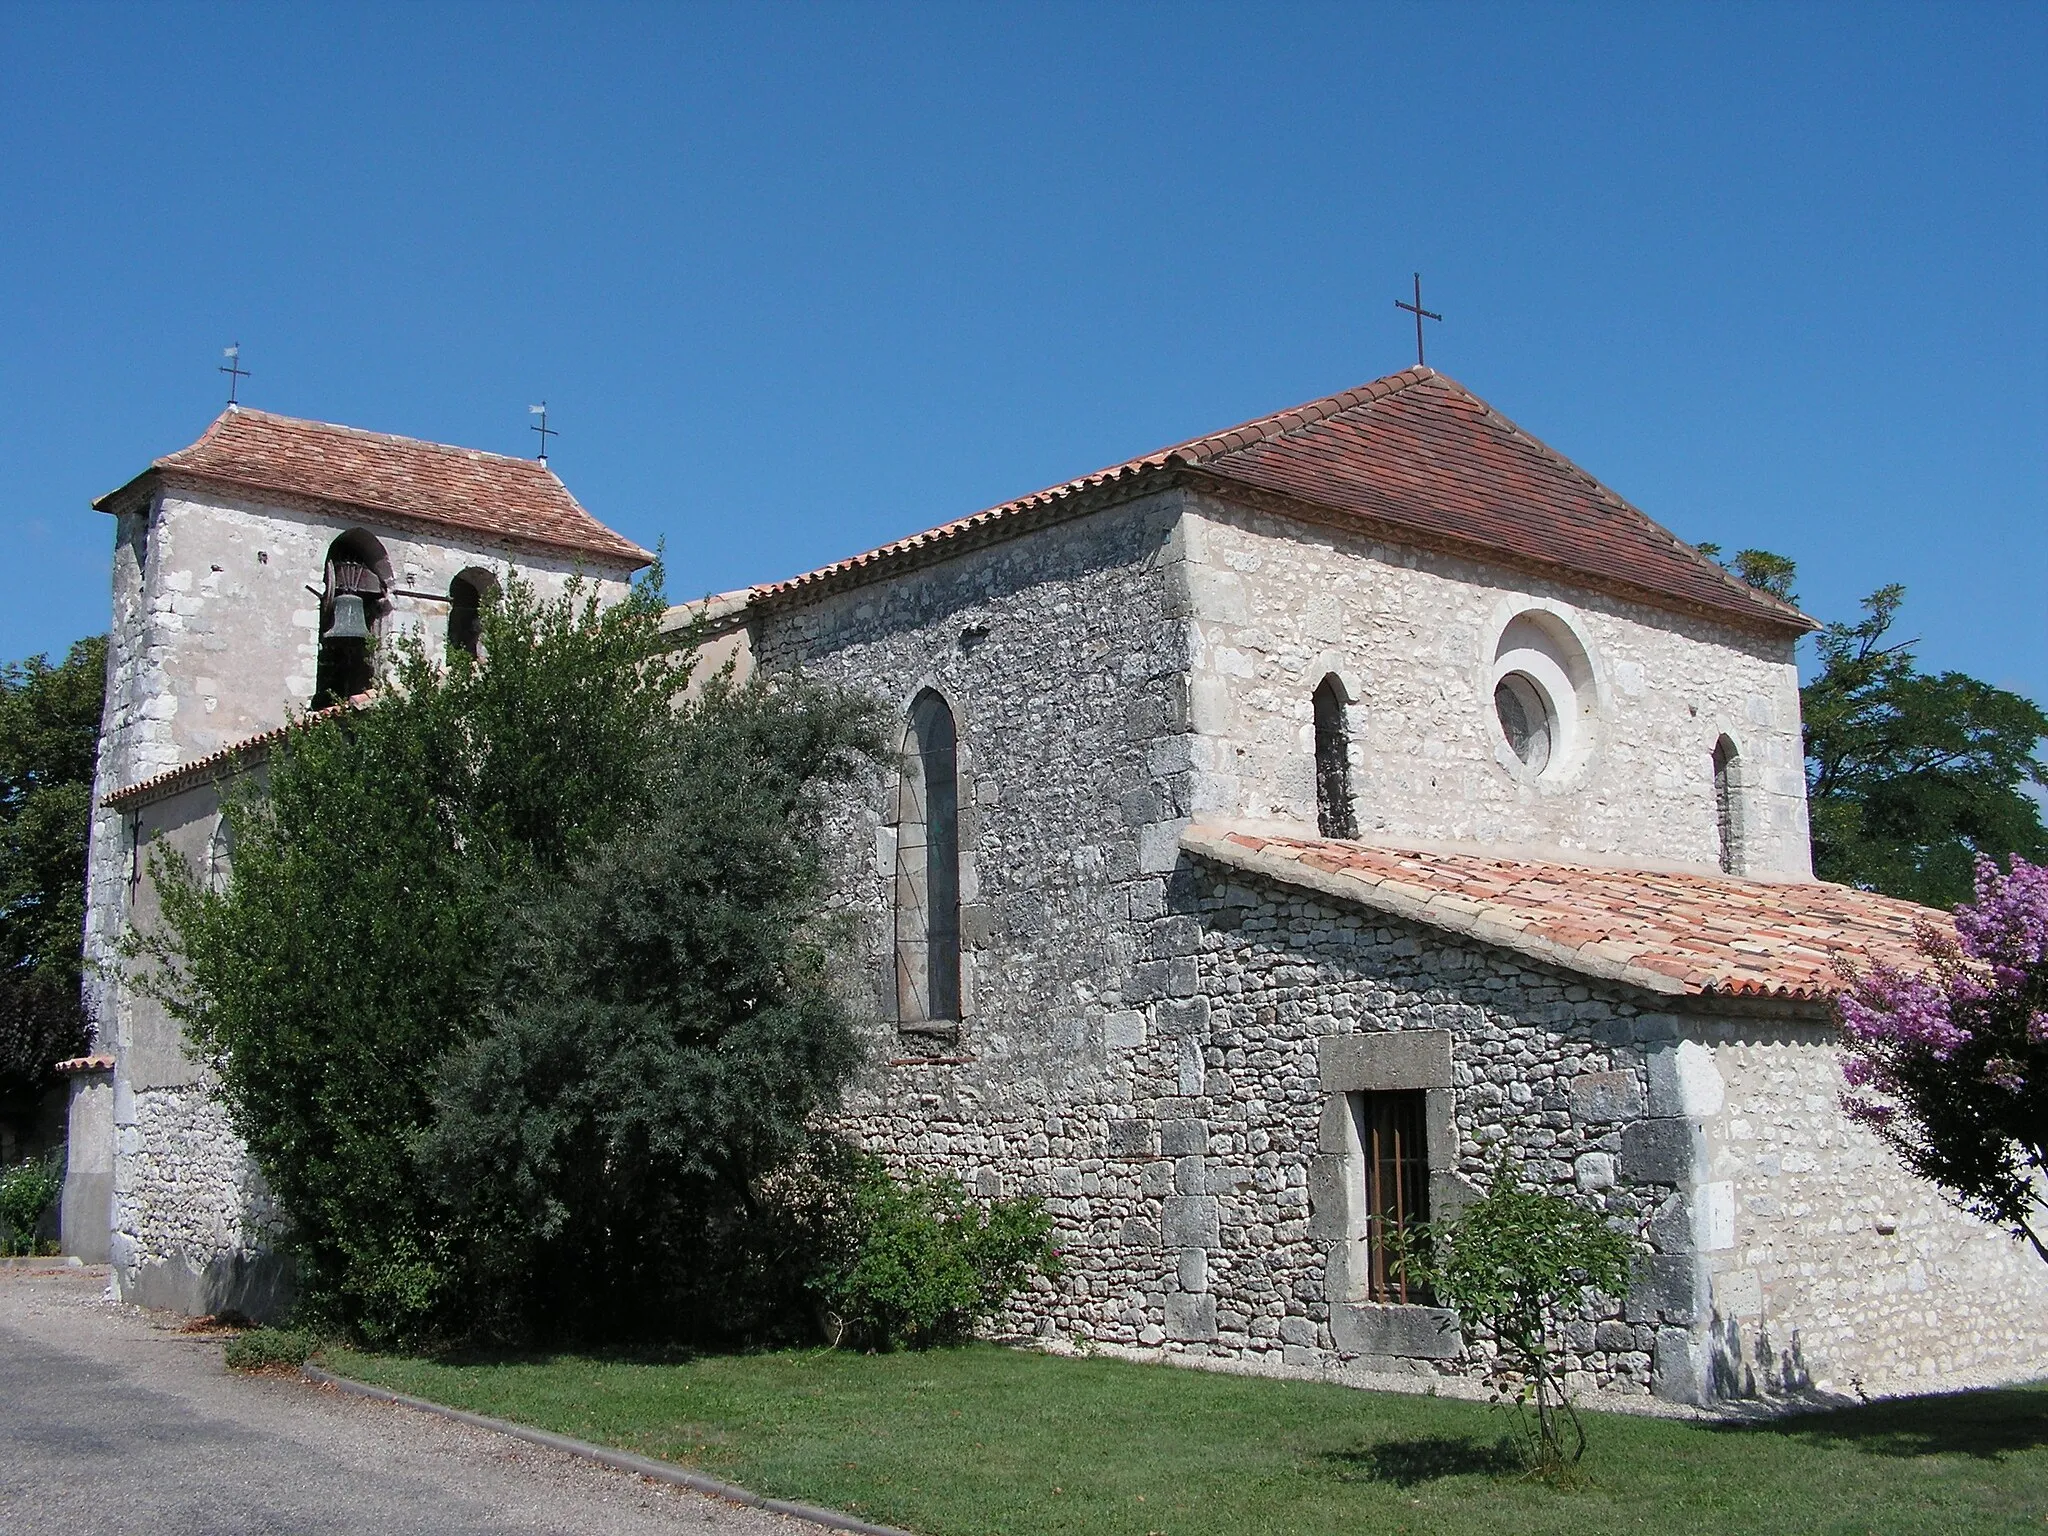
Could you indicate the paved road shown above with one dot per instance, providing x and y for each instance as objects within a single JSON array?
[{"x": 111, "y": 1422}]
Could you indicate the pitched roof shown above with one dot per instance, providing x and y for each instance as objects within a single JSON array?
[
  {"x": 1415, "y": 458},
  {"x": 1675, "y": 933},
  {"x": 520, "y": 500}
]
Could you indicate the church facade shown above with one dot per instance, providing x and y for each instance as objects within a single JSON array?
[{"x": 1288, "y": 822}]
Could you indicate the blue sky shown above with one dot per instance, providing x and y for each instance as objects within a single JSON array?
[{"x": 799, "y": 279}]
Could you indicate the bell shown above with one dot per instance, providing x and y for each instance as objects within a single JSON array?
[{"x": 348, "y": 619}]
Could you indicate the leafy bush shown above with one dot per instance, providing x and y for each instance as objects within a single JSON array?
[
  {"x": 27, "y": 1191},
  {"x": 547, "y": 1066},
  {"x": 265, "y": 1349},
  {"x": 660, "y": 1036},
  {"x": 1517, "y": 1263},
  {"x": 1948, "y": 1062},
  {"x": 926, "y": 1261},
  {"x": 411, "y": 826}
]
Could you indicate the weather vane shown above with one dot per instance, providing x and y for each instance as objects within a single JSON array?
[
  {"x": 542, "y": 427},
  {"x": 235, "y": 371},
  {"x": 1420, "y": 315}
]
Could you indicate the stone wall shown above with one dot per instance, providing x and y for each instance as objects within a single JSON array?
[
  {"x": 1832, "y": 1266},
  {"x": 1143, "y": 1044},
  {"x": 1241, "y": 1077},
  {"x": 1276, "y": 605}
]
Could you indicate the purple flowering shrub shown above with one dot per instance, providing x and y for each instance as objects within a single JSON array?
[{"x": 1950, "y": 1065}]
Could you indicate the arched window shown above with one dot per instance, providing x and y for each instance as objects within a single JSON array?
[
  {"x": 1334, "y": 814},
  {"x": 351, "y": 602},
  {"x": 928, "y": 867},
  {"x": 1728, "y": 804},
  {"x": 466, "y": 594},
  {"x": 220, "y": 855}
]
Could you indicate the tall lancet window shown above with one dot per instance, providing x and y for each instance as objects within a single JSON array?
[
  {"x": 928, "y": 868},
  {"x": 1334, "y": 814},
  {"x": 1728, "y": 804}
]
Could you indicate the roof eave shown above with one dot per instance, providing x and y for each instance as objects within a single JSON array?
[
  {"x": 160, "y": 475},
  {"x": 1215, "y": 845},
  {"x": 1043, "y": 509}
]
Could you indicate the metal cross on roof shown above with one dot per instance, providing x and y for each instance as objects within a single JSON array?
[
  {"x": 1420, "y": 315},
  {"x": 542, "y": 427},
  {"x": 235, "y": 371}
]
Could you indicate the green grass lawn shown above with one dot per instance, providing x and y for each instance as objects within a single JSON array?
[{"x": 983, "y": 1440}]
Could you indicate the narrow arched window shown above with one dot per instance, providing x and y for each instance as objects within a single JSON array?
[
  {"x": 928, "y": 867},
  {"x": 220, "y": 855},
  {"x": 1334, "y": 814},
  {"x": 1728, "y": 804}
]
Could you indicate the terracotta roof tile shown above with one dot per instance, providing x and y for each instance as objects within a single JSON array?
[
  {"x": 1413, "y": 456},
  {"x": 1708, "y": 933},
  {"x": 520, "y": 500}
]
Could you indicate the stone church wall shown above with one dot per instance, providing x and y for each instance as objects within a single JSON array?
[
  {"x": 1831, "y": 1265},
  {"x": 1278, "y": 605},
  {"x": 1143, "y": 1044},
  {"x": 1237, "y": 1077},
  {"x": 190, "y": 1218}
]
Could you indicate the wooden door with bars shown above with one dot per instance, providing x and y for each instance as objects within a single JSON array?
[{"x": 1393, "y": 1135}]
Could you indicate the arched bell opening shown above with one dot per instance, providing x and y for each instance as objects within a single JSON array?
[
  {"x": 467, "y": 594},
  {"x": 353, "y": 601}
]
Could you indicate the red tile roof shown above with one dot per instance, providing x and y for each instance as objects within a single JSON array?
[
  {"x": 1417, "y": 459},
  {"x": 1675, "y": 933},
  {"x": 98, "y": 1062},
  {"x": 230, "y": 759},
  {"x": 519, "y": 500}
]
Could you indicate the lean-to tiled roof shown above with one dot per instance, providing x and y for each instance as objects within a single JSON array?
[
  {"x": 1414, "y": 458},
  {"x": 1676, "y": 933},
  {"x": 221, "y": 763},
  {"x": 414, "y": 482}
]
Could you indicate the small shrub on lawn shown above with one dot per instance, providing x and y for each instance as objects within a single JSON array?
[
  {"x": 928, "y": 1261},
  {"x": 1518, "y": 1263},
  {"x": 27, "y": 1191},
  {"x": 265, "y": 1349}
]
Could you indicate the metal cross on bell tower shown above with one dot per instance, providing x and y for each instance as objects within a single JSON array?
[
  {"x": 1420, "y": 315},
  {"x": 542, "y": 427},
  {"x": 235, "y": 371}
]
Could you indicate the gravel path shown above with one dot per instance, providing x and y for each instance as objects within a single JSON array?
[{"x": 111, "y": 1422}]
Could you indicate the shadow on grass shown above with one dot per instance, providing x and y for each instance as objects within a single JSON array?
[
  {"x": 1988, "y": 1425},
  {"x": 1406, "y": 1463}
]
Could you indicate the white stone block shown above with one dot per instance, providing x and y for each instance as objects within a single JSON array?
[
  {"x": 1740, "y": 1294},
  {"x": 1715, "y": 1215}
]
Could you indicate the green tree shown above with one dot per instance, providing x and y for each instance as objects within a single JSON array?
[
  {"x": 625, "y": 1138},
  {"x": 1518, "y": 1264},
  {"x": 1761, "y": 569},
  {"x": 354, "y": 942},
  {"x": 1911, "y": 777},
  {"x": 49, "y": 739}
]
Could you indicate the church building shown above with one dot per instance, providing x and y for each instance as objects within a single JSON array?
[{"x": 1285, "y": 821}]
